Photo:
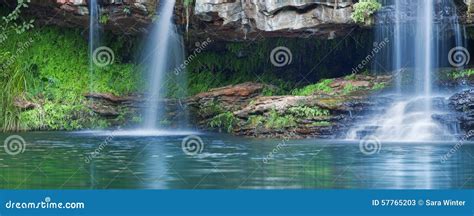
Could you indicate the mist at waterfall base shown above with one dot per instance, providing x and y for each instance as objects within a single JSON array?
[{"x": 421, "y": 34}]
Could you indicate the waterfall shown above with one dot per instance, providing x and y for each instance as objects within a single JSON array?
[
  {"x": 163, "y": 54},
  {"x": 93, "y": 35},
  {"x": 421, "y": 32}
]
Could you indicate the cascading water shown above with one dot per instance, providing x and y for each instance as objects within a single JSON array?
[
  {"x": 421, "y": 33},
  {"x": 165, "y": 52},
  {"x": 93, "y": 34}
]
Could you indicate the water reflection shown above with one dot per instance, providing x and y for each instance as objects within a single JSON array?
[{"x": 56, "y": 160}]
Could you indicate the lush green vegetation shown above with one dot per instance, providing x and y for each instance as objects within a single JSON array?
[
  {"x": 461, "y": 73},
  {"x": 307, "y": 112},
  {"x": 226, "y": 121},
  {"x": 364, "y": 9},
  {"x": 272, "y": 119},
  {"x": 322, "y": 86},
  {"x": 49, "y": 67},
  {"x": 275, "y": 120},
  {"x": 229, "y": 63}
]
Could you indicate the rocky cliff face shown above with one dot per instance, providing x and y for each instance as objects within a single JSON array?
[
  {"x": 251, "y": 19},
  {"x": 127, "y": 17},
  {"x": 221, "y": 19},
  {"x": 229, "y": 20}
]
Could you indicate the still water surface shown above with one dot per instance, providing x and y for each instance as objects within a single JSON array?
[{"x": 58, "y": 160}]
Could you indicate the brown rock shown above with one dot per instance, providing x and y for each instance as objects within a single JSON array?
[
  {"x": 230, "y": 97},
  {"x": 23, "y": 104},
  {"x": 108, "y": 97},
  {"x": 103, "y": 110}
]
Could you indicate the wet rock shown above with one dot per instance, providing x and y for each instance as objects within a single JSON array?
[
  {"x": 463, "y": 103},
  {"x": 104, "y": 110},
  {"x": 110, "y": 106}
]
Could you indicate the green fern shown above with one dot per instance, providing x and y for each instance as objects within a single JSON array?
[{"x": 364, "y": 9}]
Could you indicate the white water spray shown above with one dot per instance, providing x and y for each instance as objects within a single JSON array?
[{"x": 420, "y": 31}]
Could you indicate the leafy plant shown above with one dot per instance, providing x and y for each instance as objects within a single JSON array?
[
  {"x": 11, "y": 21},
  {"x": 127, "y": 10},
  {"x": 307, "y": 112},
  {"x": 462, "y": 73},
  {"x": 212, "y": 108},
  {"x": 103, "y": 19},
  {"x": 364, "y": 9},
  {"x": 322, "y": 86},
  {"x": 277, "y": 121},
  {"x": 256, "y": 121},
  {"x": 348, "y": 88},
  {"x": 226, "y": 121}
]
